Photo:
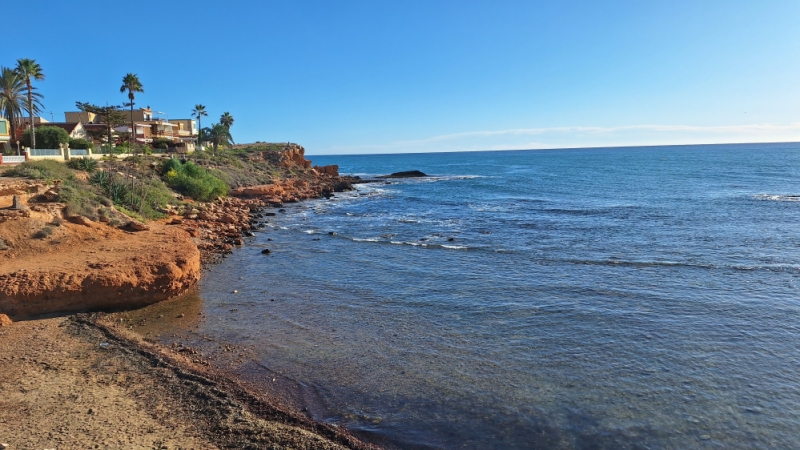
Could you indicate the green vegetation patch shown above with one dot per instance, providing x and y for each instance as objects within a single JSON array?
[
  {"x": 193, "y": 181},
  {"x": 46, "y": 137},
  {"x": 47, "y": 170},
  {"x": 44, "y": 232},
  {"x": 85, "y": 163},
  {"x": 79, "y": 143}
]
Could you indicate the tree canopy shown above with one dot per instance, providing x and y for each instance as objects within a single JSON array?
[
  {"x": 29, "y": 70},
  {"x": 47, "y": 137}
]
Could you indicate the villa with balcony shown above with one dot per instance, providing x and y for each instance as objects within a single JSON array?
[{"x": 5, "y": 136}]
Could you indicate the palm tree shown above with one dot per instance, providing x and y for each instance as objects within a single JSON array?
[
  {"x": 226, "y": 119},
  {"x": 218, "y": 134},
  {"x": 29, "y": 69},
  {"x": 131, "y": 83},
  {"x": 12, "y": 98},
  {"x": 199, "y": 111}
]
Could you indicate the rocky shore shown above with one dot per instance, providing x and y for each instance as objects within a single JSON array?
[{"x": 83, "y": 381}]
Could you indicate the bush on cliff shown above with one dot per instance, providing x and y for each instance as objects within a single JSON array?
[
  {"x": 139, "y": 195},
  {"x": 86, "y": 164},
  {"x": 79, "y": 143},
  {"x": 47, "y": 170},
  {"x": 193, "y": 181}
]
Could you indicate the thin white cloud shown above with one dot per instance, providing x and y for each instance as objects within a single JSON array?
[{"x": 587, "y": 136}]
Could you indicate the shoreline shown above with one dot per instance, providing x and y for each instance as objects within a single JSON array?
[
  {"x": 83, "y": 270},
  {"x": 117, "y": 389}
]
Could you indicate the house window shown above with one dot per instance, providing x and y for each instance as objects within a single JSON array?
[{"x": 3, "y": 127}]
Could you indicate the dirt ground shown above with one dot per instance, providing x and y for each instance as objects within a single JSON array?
[
  {"x": 66, "y": 383},
  {"x": 59, "y": 391}
]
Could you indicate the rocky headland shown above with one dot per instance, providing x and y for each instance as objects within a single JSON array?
[
  {"x": 54, "y": 261},
  {"x": 82, "y": 381}
]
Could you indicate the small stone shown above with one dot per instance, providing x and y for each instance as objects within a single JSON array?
[
  {"x": 235, "y": 291},
  {"x": 332, "y": 233},
  {"x": 137, "y": 226},
  {"x": 5, "y": 320},
  {"x": 266, "y": 251},
  {"x": 181, "y": 316}
]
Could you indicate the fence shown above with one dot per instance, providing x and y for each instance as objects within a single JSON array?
[
  {"x": 12, "y": 159},
  {"x": 46, "y": 152},
  {"x": 78, "y": 152}
]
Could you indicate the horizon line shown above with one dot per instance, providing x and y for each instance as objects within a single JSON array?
[{"x": 556, "y": 148}]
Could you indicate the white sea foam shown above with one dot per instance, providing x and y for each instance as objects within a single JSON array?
[
  {"x": 309, "y": 231},
  {"x": 373, "y": 239},
  {"x": 778, "y": 198}
]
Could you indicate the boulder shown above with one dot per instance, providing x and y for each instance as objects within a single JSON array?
[
  {"x": 331, "y": 170},
  {"x": 5, "y": 320},
  {"x": 137, "y": 226},
  {"x": 343, "y": 186},
  {"x": 405, "y": 174},
  {"x": 80, "y": 220}
]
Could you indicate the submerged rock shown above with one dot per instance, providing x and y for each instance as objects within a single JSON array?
[
  {"x": 343, "y": 186},
  {"x": 405, "y": 174}
]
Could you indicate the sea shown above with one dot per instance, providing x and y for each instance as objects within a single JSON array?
[{"x": 641, "y": 297}]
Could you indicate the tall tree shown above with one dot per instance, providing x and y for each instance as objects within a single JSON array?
[
  {"x": 111, "y": 116},
  {"x": 218, "y": 134},
  {"x": 131, "y": 83},
  {"x": 199, "y": 111},
  {"x": 12, "y": 98},
  {"x": 29, "y": 69},
  {"x": 226, "y": 119}
]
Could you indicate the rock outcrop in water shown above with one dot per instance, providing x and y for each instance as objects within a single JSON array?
[{"x": 405, "y": 174}]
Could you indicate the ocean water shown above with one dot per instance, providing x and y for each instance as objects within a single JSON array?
[{"x": 598, "y": 298}]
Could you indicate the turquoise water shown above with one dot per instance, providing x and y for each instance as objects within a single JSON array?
[{"x": 603, "y": 298}]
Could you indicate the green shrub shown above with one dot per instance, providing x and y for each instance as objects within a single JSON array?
[
  {"x": 47, "y": 170},
  {"x": 44, "y": 232},
  {"x": 79, "y": 200},
  {"x": 162, "y": 143},
  {"x": 86, "y": 164},
  {"x": 46, "y": 137},
  {"x": 192, "y": 180},
  {"x": 141, "y": 197},
  {"x": 76, "y": 143}
]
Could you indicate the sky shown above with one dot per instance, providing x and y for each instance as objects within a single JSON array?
[{"x": 341, "y": 77}]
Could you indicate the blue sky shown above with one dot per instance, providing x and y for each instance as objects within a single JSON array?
[{"x": 385, "y": 77}]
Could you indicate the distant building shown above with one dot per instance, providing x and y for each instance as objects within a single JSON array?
[
  {"x": 146, "y": 127},
  {"x": 187, "y": 129},
  {"x": 84, "y": 117},
  {"x": 5, "y": 136}
]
